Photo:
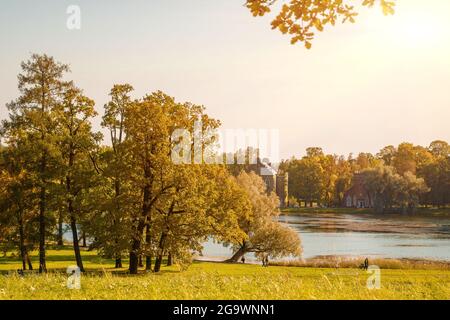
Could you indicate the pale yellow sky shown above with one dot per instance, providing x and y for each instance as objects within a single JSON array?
[{"x": 381, "y": 81}]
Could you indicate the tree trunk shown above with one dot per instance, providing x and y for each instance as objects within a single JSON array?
[
  {"x": 159, "y": 257},
  {"x": 118, "y": 256},
  {"x": 23, "y": 253},
  {"x": 136, "y": 248},
  {"x": 60, "y": 229},
  {"x": 118, "y": 262},
  {"x": 76, "y": 245},
  {"x": 42, "y": 264},
  {"x": 71, "y": 212},
  {"x": 169, "y": 260},
  {"x": 148, "y": 258},
  {"x": 59, "y": 239},
  {"x": 139, "y": 230},
  {"x": 148, "y": 263},
  {"x": 238, "y": 254},
  {"x": 158, "y": 262},
  {"x": 133, "y": 268},
  {"x": 30, "y": 265},
  {"x": 83, "y": 237}
]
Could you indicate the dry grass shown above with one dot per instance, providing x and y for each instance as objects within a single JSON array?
[{"x": 350, "y": 262}]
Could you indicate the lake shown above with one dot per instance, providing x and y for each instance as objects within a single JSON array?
[{"x": 386, "y": 236}]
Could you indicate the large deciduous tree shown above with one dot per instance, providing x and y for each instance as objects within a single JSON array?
[{"x": 76, "y": 142}]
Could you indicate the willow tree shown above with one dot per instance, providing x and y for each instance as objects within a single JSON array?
[
  {"x": 264, "y": 235},
  {"x": 32, "y": 118},
  {"x": 301, "y": 19}
]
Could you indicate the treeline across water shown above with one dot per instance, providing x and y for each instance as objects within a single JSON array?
[{"x": 401, "y": 177}]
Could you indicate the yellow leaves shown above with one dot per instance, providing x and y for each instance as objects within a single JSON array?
[
  {"x": 318, "y": 24},
  {"x": 388, "y": 7},
  {"x": 258, "y": 7},
  {"x": 301, "y": 18},
  {"x": 368, "y": 3},
  {"x": 283, "y": 28}
]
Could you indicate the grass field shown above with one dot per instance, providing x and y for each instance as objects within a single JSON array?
[{"x": 206, "y": 280}]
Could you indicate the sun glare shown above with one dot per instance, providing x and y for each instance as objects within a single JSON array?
[
  {"x": 415, "y": 28},
  {"x": 415, "y": 24}
]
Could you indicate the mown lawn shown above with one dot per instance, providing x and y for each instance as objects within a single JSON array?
[{"x": 205, "y": 280}]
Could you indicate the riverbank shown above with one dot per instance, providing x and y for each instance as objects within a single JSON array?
[
  {"x": 444, "y": 212},
  {"x": 208, "y": 280},
  {"x": 356, "y": 262}
]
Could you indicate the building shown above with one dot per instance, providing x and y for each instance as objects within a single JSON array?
[
  {"x": 275, "y": 182},
  {"x": 357, "y": 196}
]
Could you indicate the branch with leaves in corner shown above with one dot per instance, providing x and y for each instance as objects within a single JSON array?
[{"x": 301, "y": 19}]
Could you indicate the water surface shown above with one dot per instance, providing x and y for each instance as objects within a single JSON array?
[{"x": 387, "y": 236}]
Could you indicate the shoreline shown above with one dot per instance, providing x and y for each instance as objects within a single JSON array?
[{"x": 336, "y": 261}]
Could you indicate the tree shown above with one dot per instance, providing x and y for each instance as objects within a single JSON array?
[
  {"x": 329, "y": 179},
  {"x": 176, "y": 215},
  {"x": 32, "y": 118},
  {"x": 405, "y": 159},
  {"x": 436, "y": 173},
  {"x": 302, "y": 18},
  {"x": 147, "y": 126},
  {"x": 439, "y": 149},
  {"x": 344, "y": 179},
  {"x": 387, "y": 154},
  {"x": 411, "y": 188},
  {"x": 76, "y": 141},
  {"x": 264, "y": 235},
  {"x": 390, "y": 189},
  {"x": 116, "y": 169},
  {"x": 365, "y": 161},
  {"x": 17, "y": 203},
  {"x": 310, "y": 176}
]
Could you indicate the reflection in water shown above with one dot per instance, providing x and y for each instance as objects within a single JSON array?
[{"x": 390, "y": 236}]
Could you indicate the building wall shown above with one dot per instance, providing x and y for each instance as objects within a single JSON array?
[{"x": 357, "y": 196}]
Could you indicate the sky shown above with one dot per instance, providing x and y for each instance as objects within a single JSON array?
[{"x": 381, "y": 81}]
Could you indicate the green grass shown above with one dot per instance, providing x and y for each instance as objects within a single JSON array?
[{"x": 205, "y": 280}]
